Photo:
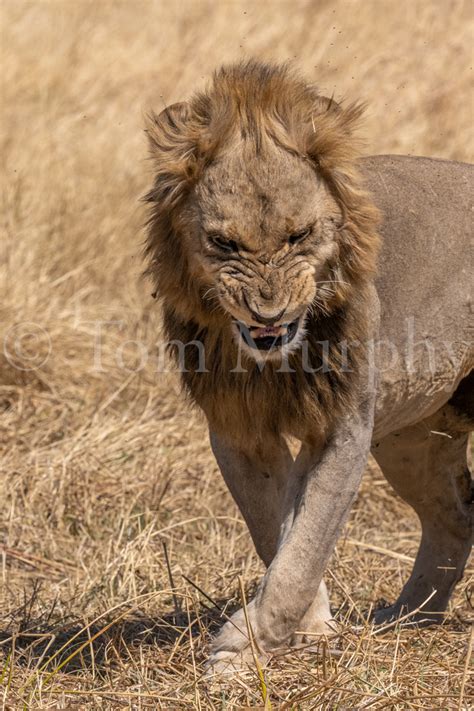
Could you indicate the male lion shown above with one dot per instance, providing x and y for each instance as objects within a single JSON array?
[{"x": 263, "y": 244}]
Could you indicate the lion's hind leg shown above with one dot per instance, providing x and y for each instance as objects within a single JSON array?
[{"x": 427, "y": 466}]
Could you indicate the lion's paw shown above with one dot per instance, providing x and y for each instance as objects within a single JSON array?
[
  {"x": 225, "y": 664},
  {"x": 234, "y": 635},
  {"x": 317, "y": 621},
  {"x": 231, "y": 650},
  {"x": 398, "y": 614}
]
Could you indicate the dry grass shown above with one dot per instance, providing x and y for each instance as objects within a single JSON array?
[{"x": 105, "y": 472}]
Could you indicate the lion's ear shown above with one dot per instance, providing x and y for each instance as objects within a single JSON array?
[
  {"x": 174, "y": 114},
  {"x": 178, "y": 110},
  {"x": 173, "y": 147},
  {"x": 325, "y": 104},
  {"x": 168, "y": 124}
]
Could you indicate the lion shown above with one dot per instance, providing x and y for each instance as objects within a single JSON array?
[{"x": 317, "y": 296}]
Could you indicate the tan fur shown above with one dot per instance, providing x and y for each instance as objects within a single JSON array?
[{"x": 263, "y": 106}]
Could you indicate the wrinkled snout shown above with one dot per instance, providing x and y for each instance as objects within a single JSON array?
[
  {"x": 264, "y": 314},
  {"x": 267, "y": 316}
]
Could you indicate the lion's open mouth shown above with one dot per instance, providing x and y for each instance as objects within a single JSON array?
[{"x": 266, "y": 338}]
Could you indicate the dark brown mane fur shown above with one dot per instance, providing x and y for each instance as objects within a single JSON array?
[{"x": 262, "y": 102}]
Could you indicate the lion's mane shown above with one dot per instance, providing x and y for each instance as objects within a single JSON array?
[{"x": 263, "y": 101}]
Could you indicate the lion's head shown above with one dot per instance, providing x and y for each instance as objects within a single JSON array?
[
  {"x": 258, "y": 226},
  {"x": 251, "y": 214}
]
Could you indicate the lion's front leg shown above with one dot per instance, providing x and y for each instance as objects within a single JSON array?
[
  {"x": 325, "y": 488},
  {"x": 258, "y": 478}
]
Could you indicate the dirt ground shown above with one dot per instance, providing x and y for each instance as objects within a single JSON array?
[{"x": 121, "y": 550}]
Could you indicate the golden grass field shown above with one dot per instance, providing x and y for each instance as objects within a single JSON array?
[{"x": 119, "y": 542}]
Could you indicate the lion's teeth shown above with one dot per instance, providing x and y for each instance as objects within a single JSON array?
[{"x": 268, "y": 332}]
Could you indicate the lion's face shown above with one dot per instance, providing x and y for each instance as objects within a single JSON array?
[{"x": 264, "y": 234}]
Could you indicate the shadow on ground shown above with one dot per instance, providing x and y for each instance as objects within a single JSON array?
[{"x": 43, "y": 642}]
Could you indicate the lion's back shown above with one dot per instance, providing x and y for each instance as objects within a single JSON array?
[{"x": 424, "y": 268}]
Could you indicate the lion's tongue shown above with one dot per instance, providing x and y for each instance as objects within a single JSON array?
[{"x": 268, "y": 332}]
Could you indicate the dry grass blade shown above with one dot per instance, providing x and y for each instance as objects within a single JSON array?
[
  {"x": 381, "y": 550},
  {"x": 177, "y": 607},
  {"x": 35, "y": 560},
  {"x": 258, "y": 666},
  {"x": 466, "y": 669}
]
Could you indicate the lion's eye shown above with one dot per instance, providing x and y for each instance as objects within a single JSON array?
[
  {"x": 299, "y": 236},
  {"x": 223, "y": 244}
]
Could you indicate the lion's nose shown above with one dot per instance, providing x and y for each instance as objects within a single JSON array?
[
  {"x": 267, "y": 319},
  {"x": 263, "y": 317}
]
